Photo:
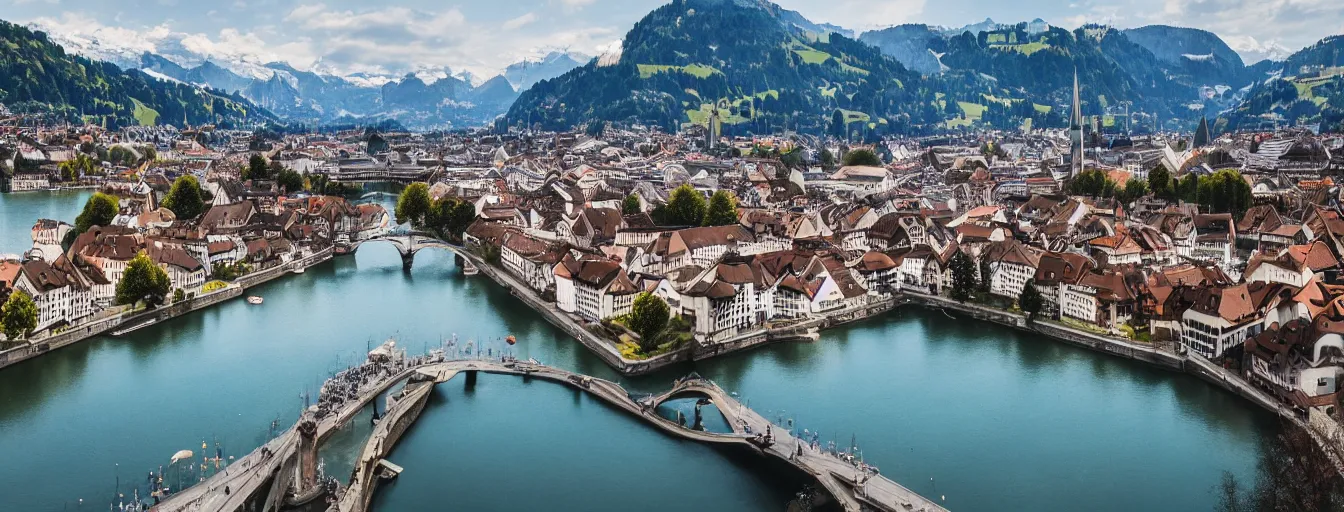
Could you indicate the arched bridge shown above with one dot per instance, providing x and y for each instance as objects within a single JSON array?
[
  {"x": 408, "y": 242},
  {"x": 270, "y": 473}
]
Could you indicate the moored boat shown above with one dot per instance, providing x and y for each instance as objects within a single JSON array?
[{"x": 255, "y": 300}]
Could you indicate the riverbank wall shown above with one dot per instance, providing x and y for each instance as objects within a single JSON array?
[
  {"x": 604, "y": 349},
  {"x": 1059, "y": 332},
  {"x": 99, "y": 326}
]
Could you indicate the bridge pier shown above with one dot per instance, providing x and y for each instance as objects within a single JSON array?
[
  {"x": 471, "y": 379},
  {"x": 307, "y": 455},
  {"x": 407, "y": 259}
]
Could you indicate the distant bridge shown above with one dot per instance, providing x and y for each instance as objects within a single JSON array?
[
  {"x": 270, "y": 471},
  {"x": 381, "y": 174},
  {"x": 408, "y": 242}
]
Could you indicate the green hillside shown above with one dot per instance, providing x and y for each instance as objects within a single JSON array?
[{"x": 36, "y": 75}]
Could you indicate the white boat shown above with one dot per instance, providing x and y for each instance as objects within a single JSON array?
[
  {"x": 254, "y": 300},
  {"x": 297, "y": 270}
]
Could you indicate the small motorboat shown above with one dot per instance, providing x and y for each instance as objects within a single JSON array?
[
  {"x": 254, "y": 300},
  {"x": 511, "y": 340},
  {"x": 298, "y": 270}
]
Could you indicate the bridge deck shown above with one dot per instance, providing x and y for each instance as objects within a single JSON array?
[{"x": 841, "y": 478}]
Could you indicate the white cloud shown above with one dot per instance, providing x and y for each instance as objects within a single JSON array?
[
  {"x": 574, "y": 5},
  {"x": 520, "y": 21}
]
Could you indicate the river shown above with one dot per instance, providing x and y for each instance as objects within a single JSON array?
[{"x": 990, "y": 418}]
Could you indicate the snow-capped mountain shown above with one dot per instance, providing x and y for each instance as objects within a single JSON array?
[
  {"x": 1253, "y": 51},
  {"x": 433, "y": 98}
]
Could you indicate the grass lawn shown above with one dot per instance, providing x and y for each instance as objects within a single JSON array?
[
  {"x": 144, "y": 115},
  {"x": 973, "y": 110},
  {"x": 1044, "y": 109},
  {"x": 695, "y": 70}
]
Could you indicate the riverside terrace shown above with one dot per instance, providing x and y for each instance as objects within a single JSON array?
[{"x": 283, "y": 467}]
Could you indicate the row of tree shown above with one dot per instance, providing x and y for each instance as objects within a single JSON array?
[
  {"x": 447, "y": 217},
  {"x": 1225, "y": 191},
  {"x": 968, "y": 284},
  {"x": 688, "y": 207}
]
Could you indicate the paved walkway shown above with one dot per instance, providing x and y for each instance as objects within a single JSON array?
[{"x": 855, "y": 489}]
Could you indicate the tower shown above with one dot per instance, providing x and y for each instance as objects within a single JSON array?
[{"x": 1076, "y": 129}]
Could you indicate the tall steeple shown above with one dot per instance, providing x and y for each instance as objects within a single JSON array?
[{"x": 1076, "y": 128}]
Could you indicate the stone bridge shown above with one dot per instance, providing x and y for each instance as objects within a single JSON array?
[
  {"x": 408, "y": 242},
  {"x": 262, "y": 474}
]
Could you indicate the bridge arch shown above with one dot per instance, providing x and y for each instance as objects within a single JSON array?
[{"x": 408, "y": 243}]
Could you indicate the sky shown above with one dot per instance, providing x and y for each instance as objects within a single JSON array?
[{"x": 483, "y": 36}]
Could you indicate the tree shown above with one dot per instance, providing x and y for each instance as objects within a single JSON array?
[
  {"x": 1030, "y": 300},
  {"x": 722, "y": 210},
  {"x": 143, "y": 281},
  {"x": 863, "y": 157},
  {"x": 685, "y": 207},
  {"x": 18, "y": 315},
  {"x": 986, "y": 276},
  {"x": 630, "y": 205},
  {"x": 838, "y": 124},
  {"x": 1132, "y": 191},
  {"x": 1159, "y": 181},
  {"x": 413, "y": 204},
  {"x": 256, "y": 169},
  {"x": 1188, "y": 188},
  {"x": 963, "y": 276},
  {"x": 119, "y": 155},
  {"x": 648, "y": 317},
  {"x": 827, "y": 158},
  {"x": 791, "y": 159},
  {"x": 99, "y": 210},
  {"x": 184, "y": 199},
  {"x": 289, "y": 180}
]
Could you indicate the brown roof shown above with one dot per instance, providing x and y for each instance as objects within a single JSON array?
[
  {"x": 1066, "y": 267},
  {"x": 687, "y": 240},
  {"x": 172, "y": 255}
]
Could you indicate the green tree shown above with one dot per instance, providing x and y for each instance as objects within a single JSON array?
[
  {"x": 722, "y": 209},
  {"x": 1132, "y": 191},
  {"x": 986, "y": 278},
  {"x": 963, "y": 276},
  {"x": 1188, "y": 188},
  {"x": 827, "y": 158},
  {"x": 685, "y": 207},
  {"x": 1159, "y": 181},
  {"x": 413, "y": 204},
  {"x": 1030, "y": 300},
  {"x": 184, "y": 199},
  {"x": 18, "y": 315},
  {"x": 838, "y": 124},
  {"x": 99, "y": 210},
  {"x": 256, "y": 169},
  {"x": 143, "y": 281},
  {"x": 863, "y": 157},
  {"x": 791, "y": 159},
  {"x": 289, "y": 180},
  {"x": 648, "y": 318},
  {"x": 121, "y": 156},
  {"x": 630, "y": 205}
]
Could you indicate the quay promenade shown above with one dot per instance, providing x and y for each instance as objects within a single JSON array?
[
  {"x": 853, "y": 485},
  {"x": 114, "y": 322}
]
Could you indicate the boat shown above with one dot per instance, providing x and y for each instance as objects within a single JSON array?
[
  {"x": 254, "y": 300},
  {"x": 297, "y": 270},
  {"x": 511, "y": 340}
]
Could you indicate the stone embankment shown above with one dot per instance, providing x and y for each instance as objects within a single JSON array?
[{"x": 113, "y": 322}]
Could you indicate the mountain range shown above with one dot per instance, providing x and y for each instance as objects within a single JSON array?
[{"x": 751, "y": 66}]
